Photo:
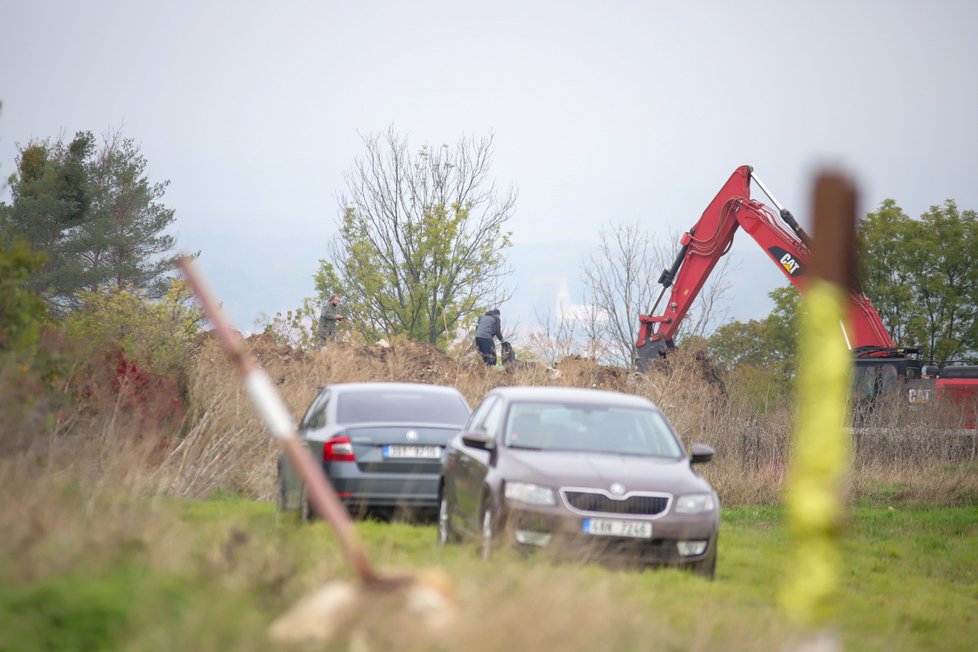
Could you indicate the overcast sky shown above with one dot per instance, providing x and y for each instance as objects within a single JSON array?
[{"x": 602, "y": 111}]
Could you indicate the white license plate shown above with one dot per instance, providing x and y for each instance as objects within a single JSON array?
[
  {"x": 614, "y": 528},
  {"x": 413, "y": 452}
]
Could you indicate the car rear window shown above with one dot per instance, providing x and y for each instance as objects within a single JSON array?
[
  {"x": 591, "y": 428},
  {"x": 401, "y": 406}
]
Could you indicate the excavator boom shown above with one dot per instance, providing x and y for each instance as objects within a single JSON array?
[
  {"x": 779, "y": 236},
  {"x": 880, "y": 366}
]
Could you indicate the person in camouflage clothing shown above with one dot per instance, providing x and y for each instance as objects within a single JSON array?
[{"x": 327, "y": 321}]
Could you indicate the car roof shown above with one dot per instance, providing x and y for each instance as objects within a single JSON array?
[
  {"x": 381, "y": 386},
  {"x": 572, "y": 395}
]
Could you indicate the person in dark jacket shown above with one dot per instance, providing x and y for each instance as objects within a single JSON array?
[
  {"x": 489, "y": 326},
  {"x": 327, "y": 321}
]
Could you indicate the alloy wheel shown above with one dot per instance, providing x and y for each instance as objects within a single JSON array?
[
  {"x": 444, "y": 524},
  {"x": 485, "y": 550}
]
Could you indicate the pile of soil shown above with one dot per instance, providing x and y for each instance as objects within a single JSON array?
[
  {"x": 420, "y": 362},
  {"x": 575, "y": 371},
  {"x": 687, "y": 364},
  {"x": 278, "y": 360},
  {"x": 404, "y": 361}
]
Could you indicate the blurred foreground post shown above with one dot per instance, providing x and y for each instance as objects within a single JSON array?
[
  {"x": 419, "y": 605},
  {"x": 820, "y": 448},
  {"x": 321, "y": 493}
]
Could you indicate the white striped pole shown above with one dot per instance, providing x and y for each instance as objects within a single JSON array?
[{"x": 276, "y": 416}]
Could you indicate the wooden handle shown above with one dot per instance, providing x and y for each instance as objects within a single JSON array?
[{"x": 269, "y": 403}]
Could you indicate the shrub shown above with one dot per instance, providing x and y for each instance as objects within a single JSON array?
[
  {"x": 156, "y": 334},
  {"x": 21, "y": 312},
  {"x": 134, "y": 353}
]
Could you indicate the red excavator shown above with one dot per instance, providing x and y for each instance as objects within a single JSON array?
[{"x": 881, "y": 367}]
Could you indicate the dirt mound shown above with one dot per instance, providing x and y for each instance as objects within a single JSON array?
[
  {"x": 265, "y": 347},
  {"x": 276, "y": 358},
  {"x": 709, "y": 371},
  {"x": 690, "y": 366},
  {"x": 575, "y": 371},
  {"x": 299, "y": 373},
  {"x": 420, "y": 362},
  {"x": 403, "y": 361}
]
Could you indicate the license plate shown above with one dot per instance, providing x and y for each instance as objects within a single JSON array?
[
  {"x": 614, "y": 528},
  {"x": 413, "y": 452}
]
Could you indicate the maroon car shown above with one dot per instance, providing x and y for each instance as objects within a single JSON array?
[{"x": 582, "y": 472}]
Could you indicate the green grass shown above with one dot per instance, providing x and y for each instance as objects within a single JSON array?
[{"x": 212, "y": 574}]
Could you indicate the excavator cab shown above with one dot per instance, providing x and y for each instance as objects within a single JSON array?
[
  {"x": 882, "y": 370},
  {"x": 875, "y": 378}
]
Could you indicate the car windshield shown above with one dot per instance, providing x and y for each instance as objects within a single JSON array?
[
  {"x": 400, "y": 406},
  {"x": 590, "y": 428}
]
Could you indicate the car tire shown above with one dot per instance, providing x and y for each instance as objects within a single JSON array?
[
  {"x": 305, "y": 507},
  {"x": 487, "y": 540},
  {"x": 282, "y": 505},
  {"x": 445, "y": 533}
]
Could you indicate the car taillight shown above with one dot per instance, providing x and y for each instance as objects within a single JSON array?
[{"x": 338, "y": 449}]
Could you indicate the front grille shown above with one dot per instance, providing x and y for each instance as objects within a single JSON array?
[{"x": 637, "y": 504}]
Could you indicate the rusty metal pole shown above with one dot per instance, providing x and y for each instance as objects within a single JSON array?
[{"x": 276, "y": 416}]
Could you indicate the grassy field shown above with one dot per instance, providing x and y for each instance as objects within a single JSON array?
[
  {"x": 207, "y": 575},
  {"x": 118, "y": 532}
]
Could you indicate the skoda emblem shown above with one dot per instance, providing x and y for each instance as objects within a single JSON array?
[
  {"x": 618, "y": 489},
  {"x": 411, "y": 435}
]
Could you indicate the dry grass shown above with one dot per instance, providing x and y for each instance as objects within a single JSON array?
[
  {"x": 224, "y": 449},
  {"x": 221, "y": 446},
  {"x": 87, "y": 486}
]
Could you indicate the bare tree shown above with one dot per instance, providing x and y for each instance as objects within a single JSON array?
[
  {"x": 554, "y": 338},
  {"x": 593, "y": 324},
  {"x": 575, "y": 329},
  {"x": 421, "y": 240},
  {"x": 622, "y": 280}
]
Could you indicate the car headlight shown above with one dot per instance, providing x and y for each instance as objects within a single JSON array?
[
  {"x": 533, "y": 494},
  {"x": 695, "y": 504}
]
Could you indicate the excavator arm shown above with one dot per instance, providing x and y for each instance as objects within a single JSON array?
[{"x": 781, "y": 238}]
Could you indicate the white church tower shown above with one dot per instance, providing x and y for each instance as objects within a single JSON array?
[{"x": 564, "y": 307}]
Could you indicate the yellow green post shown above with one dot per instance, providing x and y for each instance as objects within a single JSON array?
[
  {"x": 820, "y": 447},
  {"x": 815, "y": 496}
]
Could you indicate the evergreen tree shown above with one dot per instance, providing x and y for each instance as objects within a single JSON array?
[{"x": 94, "y": 212}]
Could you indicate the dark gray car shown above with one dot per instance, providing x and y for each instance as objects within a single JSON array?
[
  {"x": 581, "y": 472},
  {"x": 381, "y": 444}
]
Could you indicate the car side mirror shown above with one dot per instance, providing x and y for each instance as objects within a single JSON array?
[
  {"x": 476, "y": 440},
  {"x": 700, "y": 453}
]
